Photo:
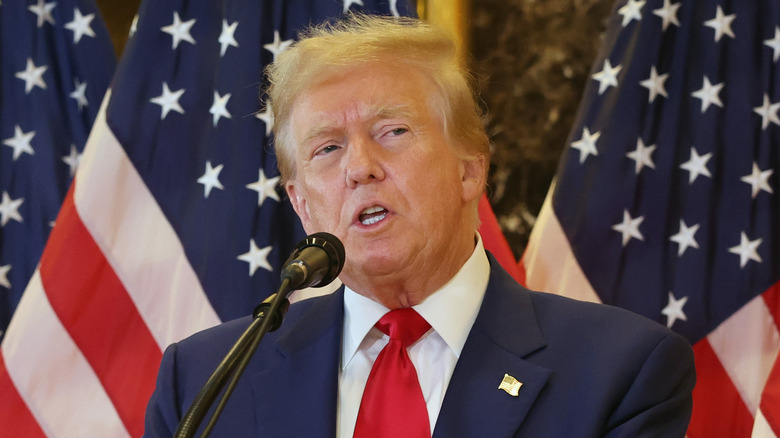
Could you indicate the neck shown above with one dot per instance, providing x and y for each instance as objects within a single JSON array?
[{"x": 412, "y": 285}]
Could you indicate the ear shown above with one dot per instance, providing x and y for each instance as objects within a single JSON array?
[
  {"x": 298, "y": 202},
  {"x": 473, "y": 177}
]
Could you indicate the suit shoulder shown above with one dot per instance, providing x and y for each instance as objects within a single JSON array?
[
  {"x": 564, "y": 315},
  {"x": 226, "y": 333}
]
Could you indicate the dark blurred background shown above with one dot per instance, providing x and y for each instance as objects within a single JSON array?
[{"x": 531, "y": 60}]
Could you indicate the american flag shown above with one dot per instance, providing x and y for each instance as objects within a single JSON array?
[
  {"x": 174, "y": 222},
  {"x": 666, "y": 199},
  {"x": 56, "y": 64},
  {"x": 57, "y": 61}
]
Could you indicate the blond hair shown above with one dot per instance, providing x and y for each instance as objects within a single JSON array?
[{"x": 360, "y": 39}]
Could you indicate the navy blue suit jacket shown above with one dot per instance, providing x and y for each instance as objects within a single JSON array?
[{"x": 588, "y": 370}]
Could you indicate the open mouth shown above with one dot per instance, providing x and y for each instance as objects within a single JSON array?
[{"x": 372, "y": 215}]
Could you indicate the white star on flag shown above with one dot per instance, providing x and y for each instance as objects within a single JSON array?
[
  {"x": 268, "y": 118},
  {"x": 265, "y": 188},
  {"x": 632, "y": 10},
  {"x": 179, "y": 30},
  {"x": 774, "y": 43},
  {"x": 80, "y": 25},
  {"x": 348, "y": 3},
  {"x": 655, "y": 83},
  {"x": 256, "y": 257},
  {"x": 722, "y": 24},
  {"x": 210, "y": 179},
  {"x": 758, "y": 180},
  {"x": 642, "y": 156},
  {"x": 219, "y": 107},
  {"x": 32, "y": 76},
  {"x": 278, "y": 46},
  {"x": 747, "y": 250},
  {"x": 674, "y": 310},
  {"x": 708, "y": 94},
  {"x": 226, "y": 38},
  {"x": 80, "y": 94},
  {"x": 685, "y": 238},
  {"x": 768, "y": 112},
  {"x": 629, "y": 228},
  {"x": 697, "y": 165},
  {"x": 607, "y": 77},
  {"x": 668, "y": 14},
  {"x": 586, "y": 144},
  {"x": 20, "y": 142},
  {"x": 43, "y": 11},
  {"x": 9, "y": 209},
  {"x": 4, "y": 276},
  {"x": 169, "y": 101},
  {"x": 73, "y": 159}
]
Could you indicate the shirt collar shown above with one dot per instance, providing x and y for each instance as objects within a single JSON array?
[{"x": 451, "y": 310}]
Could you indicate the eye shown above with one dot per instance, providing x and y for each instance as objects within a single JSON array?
[
  {"x": 327, "y": 149},
  {"x": 399, "y": 131}
]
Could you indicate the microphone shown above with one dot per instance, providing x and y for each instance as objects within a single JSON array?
[{"x": 315, "y": 262}]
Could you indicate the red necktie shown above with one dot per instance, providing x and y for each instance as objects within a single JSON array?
[{"x": 393, "y": 405}]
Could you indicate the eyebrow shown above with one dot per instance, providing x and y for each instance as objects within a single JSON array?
[{"x": 371, "y": 112}]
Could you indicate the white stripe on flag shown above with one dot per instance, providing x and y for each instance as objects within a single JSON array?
[
  {"x": 747, "y": 344},
  {"x": 52, "y": 376},
  {"x": 137, "y": 239},
  {"x": 761, "y": 428},
  {"x": 549, "y": 262}
]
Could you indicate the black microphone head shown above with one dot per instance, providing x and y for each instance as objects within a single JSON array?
[
  {"x": 315, "y": 262},
  {"x": 335, "y": 249}
]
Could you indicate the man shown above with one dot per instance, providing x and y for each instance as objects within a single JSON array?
[{"x": 380, "y": 143}]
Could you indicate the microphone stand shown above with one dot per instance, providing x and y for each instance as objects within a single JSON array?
[{"x": 267, "y": 318}]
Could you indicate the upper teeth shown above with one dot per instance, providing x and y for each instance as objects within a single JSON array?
[{"x": 374, "y": 209}]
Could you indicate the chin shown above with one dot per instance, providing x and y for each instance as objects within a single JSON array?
[{"x": 376, "y": 262}]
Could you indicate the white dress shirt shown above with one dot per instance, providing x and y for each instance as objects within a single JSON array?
[{"x": 450, "y": 311}]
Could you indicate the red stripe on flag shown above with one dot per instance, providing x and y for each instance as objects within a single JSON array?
[
  {"x": 715, "y": 397},
  {"x": 99, "y": 315},
  {"x": 770, "y": 397},
  {"x": 772, "y": 300},
  {"x": 16, "y": 419},
  {"x": 494, "y": 240}
]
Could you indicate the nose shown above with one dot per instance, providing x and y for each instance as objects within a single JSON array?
[{"x": 363, "y": 162}]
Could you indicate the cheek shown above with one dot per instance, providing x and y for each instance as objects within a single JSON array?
[{"x": 324, "y": 206}]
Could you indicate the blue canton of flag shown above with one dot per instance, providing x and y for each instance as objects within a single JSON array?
[
  {"x": 57, "y": 61},
  {"x": 670, "y": 179}
]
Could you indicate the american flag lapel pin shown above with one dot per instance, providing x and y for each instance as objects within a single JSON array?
[{"x": 510, "y": 385}]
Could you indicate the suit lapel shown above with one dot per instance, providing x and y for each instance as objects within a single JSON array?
[
  {"x": 304, "y": 374},
  {"x": 504, "y": 333}
]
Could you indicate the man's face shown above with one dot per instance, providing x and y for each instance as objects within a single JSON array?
[{"x": 373, "y": 167}]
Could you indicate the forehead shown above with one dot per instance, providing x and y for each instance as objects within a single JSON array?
[{"x": 363, "y": 93}]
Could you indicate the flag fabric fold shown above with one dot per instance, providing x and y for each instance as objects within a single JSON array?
[{"x": 665, "y": 200}]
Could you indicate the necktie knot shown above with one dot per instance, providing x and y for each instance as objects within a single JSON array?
[{"x": 405, "y": 325}]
